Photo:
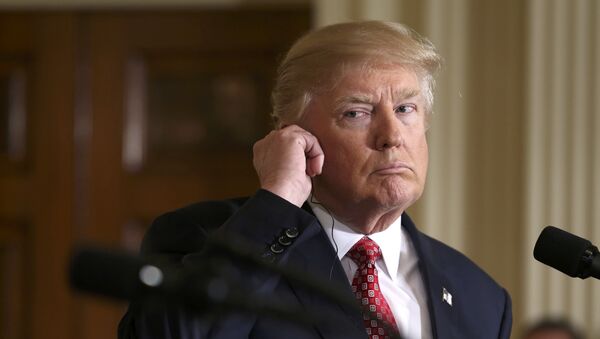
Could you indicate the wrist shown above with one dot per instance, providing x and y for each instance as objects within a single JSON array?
[{"x": 288, "y": 192}]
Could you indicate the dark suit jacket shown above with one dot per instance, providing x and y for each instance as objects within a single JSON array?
[{"x": 480, "y": 309}]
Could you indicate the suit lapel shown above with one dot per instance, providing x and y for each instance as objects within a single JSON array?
[
  {"x": 440, "y": 292},
  {"x": 316, "y": 256}
]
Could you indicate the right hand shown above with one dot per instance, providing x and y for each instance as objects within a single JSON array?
[{"x": 285, "y": 160}]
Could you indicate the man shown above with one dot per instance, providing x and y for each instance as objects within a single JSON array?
[{"x": 348, "y": 157}]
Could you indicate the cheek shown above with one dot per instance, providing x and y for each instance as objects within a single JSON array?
[
  {"x": 343, "y": 157},
  {"x": 417, "y": 148},
  {"x": 423, "y": 157}
]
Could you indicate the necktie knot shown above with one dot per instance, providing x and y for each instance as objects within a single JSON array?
[{"x": 365, "y": 252}]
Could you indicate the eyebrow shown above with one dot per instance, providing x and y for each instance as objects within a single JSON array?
[{"x": 366, "y": 98}]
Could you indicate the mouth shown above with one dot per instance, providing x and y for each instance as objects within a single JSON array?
[{"x": 392, "y": 168}]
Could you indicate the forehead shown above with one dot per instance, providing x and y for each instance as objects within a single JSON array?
[{"x": 376, "y": 83}]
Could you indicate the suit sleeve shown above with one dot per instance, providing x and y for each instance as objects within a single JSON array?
[
  {"x": 259, "y": 222},
  {"x": 262, "y": 219}
]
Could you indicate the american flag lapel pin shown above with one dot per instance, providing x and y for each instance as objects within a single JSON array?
[{"x": 446, "y": 296}]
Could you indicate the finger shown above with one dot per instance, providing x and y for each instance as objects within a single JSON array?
[
  {"x": 314, "y": 166},
  {"x": 314, "y": 156},
  {"x": 312, "y": 149}
]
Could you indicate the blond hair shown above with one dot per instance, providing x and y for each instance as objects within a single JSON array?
[{"x": 320, "y": 58}]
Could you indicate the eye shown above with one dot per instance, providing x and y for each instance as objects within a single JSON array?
[
  {"x": 354, "y": 114},
  {"x": 408, "y": 108}
]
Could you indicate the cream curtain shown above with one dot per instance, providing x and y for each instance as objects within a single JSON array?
[
  {"x": 563, "y": 148},
  {"x": 515, "y": 140}
]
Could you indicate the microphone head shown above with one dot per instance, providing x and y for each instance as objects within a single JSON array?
[{"x": 562, "y": 250}]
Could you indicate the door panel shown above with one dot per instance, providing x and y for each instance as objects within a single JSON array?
[
  {"x": 177, "y": 101},
  {"x": 36, "y": 174},
  {"x": 110, "y": 118}
]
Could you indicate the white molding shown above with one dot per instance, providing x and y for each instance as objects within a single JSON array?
[
  {"x": 559, "y": 155},
  {"x": 595, "y": 199},
  {"x": 329, "y": 12},
  {"x": 580, "y": 146},
  {"x": 444, "y": 197},
  {"x": 535, "y": 159}
]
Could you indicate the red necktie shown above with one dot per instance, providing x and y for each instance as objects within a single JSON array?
[{"x": 365, "y": 286}]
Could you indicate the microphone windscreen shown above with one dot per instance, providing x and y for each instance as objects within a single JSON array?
[
  {"x": 109, "y": 273},
  {"x": 561, "y": 250}
]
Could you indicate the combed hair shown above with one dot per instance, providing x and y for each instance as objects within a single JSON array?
[{"x": 319, "y": 59}]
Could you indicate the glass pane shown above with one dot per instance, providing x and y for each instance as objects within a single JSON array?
[
  {"x": 189, "y": 113},
  {"x": 12, "y": 114},
  {"x": 202, "y": 112}
]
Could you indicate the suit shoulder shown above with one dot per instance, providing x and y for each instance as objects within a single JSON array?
[
  {"x": 475, "y": 291},
  {"x": 184, "y": 230}
]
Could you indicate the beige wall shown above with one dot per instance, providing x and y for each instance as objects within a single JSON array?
[{"x": 563, "y": 147}]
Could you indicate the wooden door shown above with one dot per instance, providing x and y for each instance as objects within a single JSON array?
[
  {"x": 176, "y": 101},
  {"x": 120, "y": 116},
  {"x": 37, "y": 57}
]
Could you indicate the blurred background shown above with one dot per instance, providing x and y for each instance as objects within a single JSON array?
[{"x": 113, "y": 112}]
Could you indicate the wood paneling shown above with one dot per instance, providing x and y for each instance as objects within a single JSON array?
[
  {"x": 36, "y": 52},
  {"x": 13, "y": 259},
  {"x": 187, "y": 49},
  {"x": 51, "y": 135},
  {"x": 71, "y": 183}
]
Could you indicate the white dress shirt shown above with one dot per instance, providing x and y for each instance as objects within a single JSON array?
[{"x": 399, "y": 275}]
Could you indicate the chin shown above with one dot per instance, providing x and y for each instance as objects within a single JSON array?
[{"x": 391, "y": 196}]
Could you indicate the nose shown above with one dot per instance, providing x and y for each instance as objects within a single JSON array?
[{"x": 387, "y": 131}]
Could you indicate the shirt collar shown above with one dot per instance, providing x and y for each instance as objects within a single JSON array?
[{"x": 342, "y": 237}]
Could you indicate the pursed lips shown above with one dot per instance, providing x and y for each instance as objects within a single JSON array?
[{"x": 392, "y": 168}]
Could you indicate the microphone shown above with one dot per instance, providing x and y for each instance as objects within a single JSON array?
[
  {"x": 123, "y": 276},
  {"x": 117, "y": 274},
  {"x": 568, "y": 253},
  {"x": 210, "y": 287}
]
